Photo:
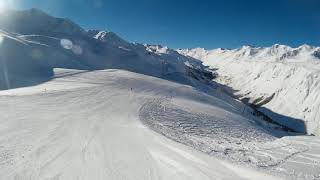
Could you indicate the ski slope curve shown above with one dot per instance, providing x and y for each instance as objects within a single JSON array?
[
  {"x": 85, "y": 125},
  {"x": 90, "y": 125}
]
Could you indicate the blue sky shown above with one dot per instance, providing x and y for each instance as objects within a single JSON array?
[{"x": 194, "y": 23}]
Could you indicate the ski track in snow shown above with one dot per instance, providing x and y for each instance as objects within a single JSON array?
[
  {"x": 223, "y": 138},
  {"x": 90, "y": 128}
]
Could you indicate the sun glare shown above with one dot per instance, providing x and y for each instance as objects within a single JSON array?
[
  {"x": 2, "y": 5},
  {"x": 1, "y": 39},
  {"x": 7, "y": 4}
]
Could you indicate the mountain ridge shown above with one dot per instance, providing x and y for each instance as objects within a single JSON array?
[
  {"x": 278, "y": 79},
  {"x": 277, "y": 52},
  {"x": 50, "y": 42}
]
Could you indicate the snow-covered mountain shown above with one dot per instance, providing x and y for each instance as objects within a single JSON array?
[
  {"x": 275, "y": 53},
  {"x": 47, "y": 42},
  {"x": 35, "y": 21},
  {"x": 96, "y": 105},
  {"x": 282, "y": 81}
]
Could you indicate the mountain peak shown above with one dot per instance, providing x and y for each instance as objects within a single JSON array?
[
  {"x": 37, "y": 11},
  {"x": 248, "y": 47},
  {"x": 306, "y": 47},
  {"x": 277, "y": 46},
  {"x": 107, "y": 36},
  {"x": 275, "y": 52},
  {"x": 36, "y": 21}
]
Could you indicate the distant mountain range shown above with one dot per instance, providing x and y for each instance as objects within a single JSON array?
[
  {"x": 284, "y": 82},
  {"x": 274, "y": 53}
]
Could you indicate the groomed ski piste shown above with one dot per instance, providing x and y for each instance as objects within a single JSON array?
[
  {"x": 115, "y": 124},
  {"x": 89, "y": 105}
]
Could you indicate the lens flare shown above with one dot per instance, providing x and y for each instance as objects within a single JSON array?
[
  {"x": 3, "y": 5},
  {"x": 76, "y": 49},
  {"x": 66, "y": 43},
  {"x": 1, "y": 39}
]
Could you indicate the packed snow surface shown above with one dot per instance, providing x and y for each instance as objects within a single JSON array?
[
  {"x": 94, "y": 125},
  {"x": 283, "y": 81}
]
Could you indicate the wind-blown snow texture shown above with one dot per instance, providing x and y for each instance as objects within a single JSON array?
[
  {"x": 283, "y": 81},
  {"x": 127, "y": 111}
]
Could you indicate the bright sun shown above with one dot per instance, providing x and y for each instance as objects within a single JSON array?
[
  {"x": 3, "y": 4},
  {"x": 1, "y": 39}
]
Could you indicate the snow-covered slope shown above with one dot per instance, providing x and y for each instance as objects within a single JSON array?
[
  {"x": 127, "y": 111},
  {"x": 93, "y": 125},
  {"x": 281, "y": 80}
]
